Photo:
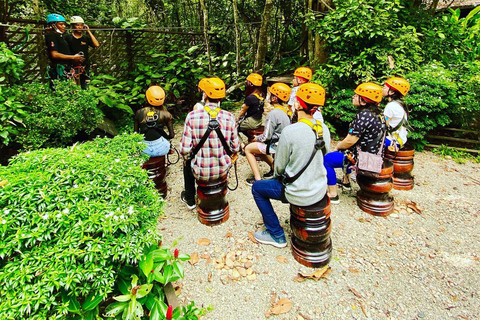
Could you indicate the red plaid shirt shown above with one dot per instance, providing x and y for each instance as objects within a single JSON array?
[{"x": 211, "y": 161}]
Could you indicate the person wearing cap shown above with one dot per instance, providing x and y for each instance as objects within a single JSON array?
[
  {"x": 365, "y": 131},
  {"x": 78, "y": 42},
  {"x": 296, "y": 146},
  {"x": 395, "y": 112},
  {"x": 251, "y": 112},
  {"x": 276, "y": 121},
  {"x": 58, "y": 51},
  {"x": 212, "y": 161},
  {"x": 300, "y": 76},
  {"x": 152, "y": 120}
]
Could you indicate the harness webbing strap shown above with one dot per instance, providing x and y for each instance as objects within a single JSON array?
[{"x": 289, "y": 113}]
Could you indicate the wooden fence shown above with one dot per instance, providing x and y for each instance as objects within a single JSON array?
[{"x": 119, "y": 50}]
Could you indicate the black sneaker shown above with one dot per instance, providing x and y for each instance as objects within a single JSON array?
[
  {"x": 335, "y": 200},
  {"x": 251, "y": 181},
  {"x": 190, "y": 204},
  {"x": 345, "y": 186},
  {"x": 269, "y": 174}
]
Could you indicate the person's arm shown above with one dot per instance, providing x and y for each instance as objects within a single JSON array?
[
  {"x": 186, "y": 143},
  {"x": 57, "y": 55},
  {"x": 269, "y": 129},
  {"x": 243, "y": 111},
  {"x": 346, "y": 143},
  {"x": 95, "y": 42},
  {"x": 171, "y": 133},
  {"x": 135, "y": 125},
  {"x": 282, "y": 155}
]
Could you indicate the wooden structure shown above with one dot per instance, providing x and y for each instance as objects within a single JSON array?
[
  {"x": 402, "y": 167},
  {"x": 311, "y": 227},
  {"x": 374, "y": 194},
  {"x": 212, "y": 205},
  {"x": 157, "y": 172}
]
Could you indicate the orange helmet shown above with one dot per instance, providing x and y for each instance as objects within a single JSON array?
[
  {"x": 312, "y": 93},
  {"x": 370, "y": 91},
  {"x": 303, "y": 72},
  {"x": 214, "y": 88},
  {"x": 280, "y": 90},
  {"x": 155, "y": 96},
  {"x": 255, "y": 79},
  {"x": 399, "y": 84}
]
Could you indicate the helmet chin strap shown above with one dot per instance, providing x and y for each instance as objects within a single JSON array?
[{"x": 54, "y": 25}]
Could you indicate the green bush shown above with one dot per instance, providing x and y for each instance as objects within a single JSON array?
[
  {"x": 54, "y": 118},
  {"x": 10, "y": 64},
  {"x": 71, "y": 219},
  {"x": 12, "y": 115}
]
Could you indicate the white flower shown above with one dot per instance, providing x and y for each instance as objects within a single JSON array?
[
  {"x": 86, "y": 199},
  {"x": 3, "y": 221},
  {"x": 122, "y": 217},
  {"x": 59, "y": 215},
  {"x": 88, "y": 156},
  {"x": 115, "y": 218},
  {"x": 117, "y": 160},
  {"x": 6, "y": 211},
  {"x": 66, "y": 210},
  {"x": 75, "y": 185},
  {"x": 45, "y": 216},
  {"x": 130, "y": 210}
]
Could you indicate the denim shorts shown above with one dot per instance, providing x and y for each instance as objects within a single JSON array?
[{"x": 157, "y": 148}]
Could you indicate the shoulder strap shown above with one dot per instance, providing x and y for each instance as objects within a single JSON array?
[
  {"x": 213, "y": 125},
  {"x": 289, "y": 113},
  {"x": 319, "y": 145}
]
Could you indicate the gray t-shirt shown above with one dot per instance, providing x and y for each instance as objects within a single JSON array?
[
  {"x": 276, "y": 121},
  {"x": 294, "y": 149}
]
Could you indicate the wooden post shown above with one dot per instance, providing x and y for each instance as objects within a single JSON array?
[
  {"x": 237, "y": 36},
  {"x": 3, "y": 19},
  {"x": 205, "y": 34}
]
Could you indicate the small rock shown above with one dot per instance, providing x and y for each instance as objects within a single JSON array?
[{"x": 421, "y": 315}]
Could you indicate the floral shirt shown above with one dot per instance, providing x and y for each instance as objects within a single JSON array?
[
  {"x": 211, "y": 162},
  {"x": 367, "y": 126}
]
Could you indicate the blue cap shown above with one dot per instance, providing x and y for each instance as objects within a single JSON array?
[{"x": 53, "y": 17}]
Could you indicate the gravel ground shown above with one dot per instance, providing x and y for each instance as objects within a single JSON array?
[{"x": 406, "y": 266}]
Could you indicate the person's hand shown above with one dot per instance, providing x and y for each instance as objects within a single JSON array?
[
  {"x": 86, "y": 28},
  {"x": 78, "y": 58}
]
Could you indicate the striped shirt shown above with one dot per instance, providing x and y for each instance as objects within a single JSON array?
[{"x": 211, "y": 161}]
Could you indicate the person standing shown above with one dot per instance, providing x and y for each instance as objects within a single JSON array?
[
  {"x": 299, "y": 168},
  {"x": 61, "y": 59},
  {"x": 209, "y": 160},
  {"x": 366, "y": 131},
  {"x": 396, "y": 113},
  {"x": 266, "y": 143},
  {"x": 78, "y": 43},
  {"x": 152, "y": 120}
]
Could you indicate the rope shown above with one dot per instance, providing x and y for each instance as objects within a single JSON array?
[{"x": 24, "y": 42}]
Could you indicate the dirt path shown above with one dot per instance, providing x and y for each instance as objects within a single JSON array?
[{"x": 406, "y": 266}]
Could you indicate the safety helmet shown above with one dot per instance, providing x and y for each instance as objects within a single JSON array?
[
  {"x": 280, "y": 90},
  {"x": 214, "y": 88},
  {"x": 155, "y": 96},
  {"x": 54, "y": 17},
  {"x": 76, "y": 19},
  {"x": 311, "y": 93},
  {"x": 399, "y": 84},
  {"x": 255, "y": 79},
  {"x": 303, "y": 72},
  {"x": 371, "y": 92}
]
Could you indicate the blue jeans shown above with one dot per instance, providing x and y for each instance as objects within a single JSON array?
[
  {"x": 389, "y": 142},
  {"x": 157, "y": 148},
  {"x": 331, "y": 161},
  {"x": 263, "y": 191}
]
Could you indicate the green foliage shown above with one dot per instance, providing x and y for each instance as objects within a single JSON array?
[
  {"x": 54, "y": 118},
  {"x": 10, "y": 64},
  {"x": 12, "y": 115},
  {"x": 458, "y": 156},
  {"x": 140, "y": 288},
  {"x": 468, "y": 97},
  {"x": 360, "y": 35},
  {"x": 71, "y": 219}
]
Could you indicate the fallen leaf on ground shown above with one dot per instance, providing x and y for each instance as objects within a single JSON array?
[
  {"x": 355, "y": 292},
  {"x": 318, "y": 274},
  {"x": 210, "y": 277},
  {"x": 282, "y": 306},
  {"x": 193, "y": 259},
  {"x": 412, "y": 205},
  {"x": 282, "y": 259},
  {"x": 203, "y": 242},
  {"x": 299, "y": 278},
  {"x": 228, "y": 235},
  {"x": 178, "y": 288},
  {"x": 252, "y": 237},
  {"x": 274, "y": 298}
]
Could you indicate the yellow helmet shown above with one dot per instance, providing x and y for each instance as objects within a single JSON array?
[
  {"x": 370, "y": 91},
  {"x": 214, "y": 88},
  {"x": 255, "y": 79},
  {"x": 399, "y": 84},
  {"x": 303, "y": 72},
  {"x": 280, "y": 90},
  {"x": 312, "y": 93},
  {"x": 155, "y": 96}
]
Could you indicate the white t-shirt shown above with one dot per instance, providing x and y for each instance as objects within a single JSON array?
[
  {"x": 394, "y": 112},
  {"x": 318, "y": 115}
]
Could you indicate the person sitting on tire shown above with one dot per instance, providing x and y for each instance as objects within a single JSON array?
[
  {"x": 364, "y": 131},
  {"x": 152, "y": 120},
  {"x": 395, "y": 112},
  {"x": 300, "y": 176},
  {"x": 265, "y": 143},
  {"x": 211, "y": 161},
  {"x": 251, "y": 112}
]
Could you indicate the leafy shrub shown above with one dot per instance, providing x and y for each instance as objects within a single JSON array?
[
  {"x": 458, "y": 156},
  {"x": 468, "y": 99},
  {"x": 71, "y": 219},
  {"x": 54, "y": 118},
  {"x": 12, "y": 114},
  {"x": 10, "y": 64}
]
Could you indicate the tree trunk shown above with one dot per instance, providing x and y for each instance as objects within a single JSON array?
[
  {"x": 263, "y": 36},
  {"x": 237, "y": 36},
  {"x": 321, "y": 54},
  {"x": 433, "y": 6},
  {"x": 311, "y": 45},
  {"x": 205, "y": 33}
]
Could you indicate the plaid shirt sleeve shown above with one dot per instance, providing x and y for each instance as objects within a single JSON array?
[{"x": 186, "y": 141}]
